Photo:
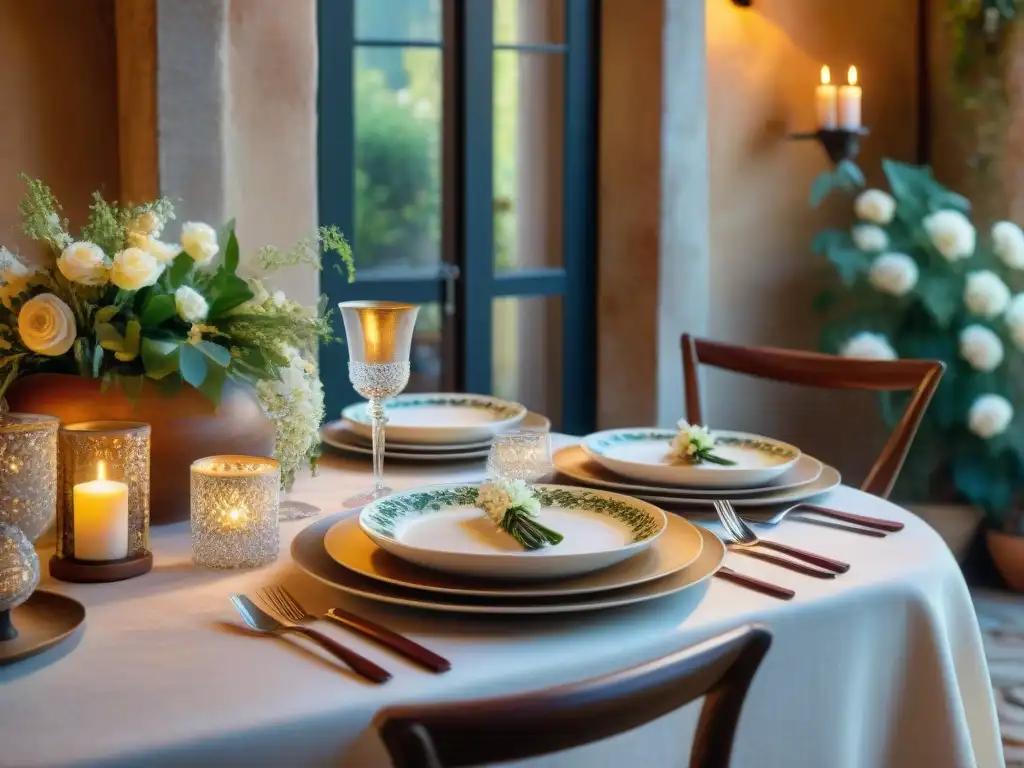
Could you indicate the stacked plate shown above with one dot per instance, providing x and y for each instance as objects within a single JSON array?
[
  {"x": 433, "y": 548},
  {"x": 638, "y": 461},
  {"x": 435, "y": 427}
]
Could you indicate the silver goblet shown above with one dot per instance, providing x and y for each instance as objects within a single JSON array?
[{"x": 379, "y": 336}]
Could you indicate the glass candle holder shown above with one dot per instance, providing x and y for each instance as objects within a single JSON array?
[
  {"x": 28, "y": 471},
  {"x": 520, "y": 455},
  {"x": 235, "y": 504},
  {"x": 103, "y": 502}
]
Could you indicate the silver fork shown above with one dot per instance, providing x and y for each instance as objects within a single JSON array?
[
  {"x": 284, "y": 603},
  {"x": 876, "y": 526},
  {"x": 259, "y": 620},
  {"x": 745, "y": 537},
  {"x": 734, "y": 545}
]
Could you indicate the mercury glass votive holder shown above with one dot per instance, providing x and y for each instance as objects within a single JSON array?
[
  {"x": 28, "y": 471},
  {"x": 235, "y": 505},
  {"x": 103, "y": 502}
]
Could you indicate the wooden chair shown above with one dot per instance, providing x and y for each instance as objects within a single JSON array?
[
  {"x": 827, "y": 371},
  {"x": 488, "y": 731}
]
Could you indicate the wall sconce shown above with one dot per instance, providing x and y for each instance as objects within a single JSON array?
[
  {"x": 838, "y": 111},
  {"x": 839, "y": 144}
]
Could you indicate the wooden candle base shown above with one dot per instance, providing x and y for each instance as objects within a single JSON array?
[{"x": 88, "y": 572}]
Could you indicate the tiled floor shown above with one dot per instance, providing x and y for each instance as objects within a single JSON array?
[{"x": 1001, "y": 615}]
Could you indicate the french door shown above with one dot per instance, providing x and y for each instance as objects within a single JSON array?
[{"x": 457, "y": 152}]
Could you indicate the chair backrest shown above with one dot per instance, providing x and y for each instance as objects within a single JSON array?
[
  {"x": 471, "y": 733},
  {"x": 827, "y": 371}
]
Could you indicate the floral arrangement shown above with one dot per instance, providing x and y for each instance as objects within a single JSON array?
[
  {"x": 916, "y": 281},
  {"x": 120, "y": 304},
  {"x": 695, "y": 444},
  {"x": 512, "y": 507}
]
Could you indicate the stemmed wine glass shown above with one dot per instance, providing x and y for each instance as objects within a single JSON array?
[{"x": 379, "y": 336}]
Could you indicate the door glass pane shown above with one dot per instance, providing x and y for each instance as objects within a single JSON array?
[
  {"x": 425, "y": 357},
  {"x": 397, "y": 19},
  {"x": 529, "y": 21},
  {"x": 529, "y": 102},
  {"x": 527, "y": 353},
  {"x": 398, "y": 162}
]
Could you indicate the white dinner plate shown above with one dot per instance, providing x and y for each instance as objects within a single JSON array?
[
  {"x": 310, "y": 556},
  {"x": 441, "y": 527},
  {"x": 574, "y": 463},
  {"x": 337, "y": 434},
  {"x": 828, "y": 481},
  {"x": 675, "y": 549},
  {"x": 644, "y": 454},
  {"x": 440, "y": 418},
  {"x": 344, "y": 432}
]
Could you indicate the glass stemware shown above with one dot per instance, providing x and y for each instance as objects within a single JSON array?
[
  {"x": 520, "y": 455},
  {"x": 379, "y": 336}
]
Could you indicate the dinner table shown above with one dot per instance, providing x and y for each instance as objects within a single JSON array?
[{"x": 881, "y": 666}]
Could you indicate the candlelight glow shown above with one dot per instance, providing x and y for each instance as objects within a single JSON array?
[
  {"x": 234, "y": 515},
  {"x": 101, "y": 470},
  {"x": 851, "y": 76},
  {"x": 826, "y": 76}
]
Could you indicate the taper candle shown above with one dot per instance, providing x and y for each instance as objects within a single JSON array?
[
  {"x": 849, "y": 102},
  {"x": 825, "y": 101}
]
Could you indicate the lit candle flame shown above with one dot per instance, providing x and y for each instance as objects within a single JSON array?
[
  {"x": 101, "y": 470},
  {"x": 851, "y": 76},
  {"x": 826, "y": 76},
  {"x": 234, "y": 515}
]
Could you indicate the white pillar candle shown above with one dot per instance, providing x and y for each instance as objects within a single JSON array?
[
  {"x": 101, "y": 518},
  {"x": 849, "y": 102},
  {"x": 825, "y": 102}
]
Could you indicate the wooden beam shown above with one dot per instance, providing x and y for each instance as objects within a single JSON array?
[{"x": 136, "y": 100}]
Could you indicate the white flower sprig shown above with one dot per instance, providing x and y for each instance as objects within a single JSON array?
[
  {"x": 695, "y": 444},
  {"x": 512, "y": 506}
]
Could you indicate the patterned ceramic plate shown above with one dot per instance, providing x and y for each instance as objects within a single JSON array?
[
  {"x": 440, "y": 418},
  {"x": 309, "y": 554},
  {"x": 674, "y": 550},
  {"x": 574, "y": 464},
  {"x": 440, "y": 527},
  {"x": 644, "y": 454},
  {"x": 339, "y": 435}
]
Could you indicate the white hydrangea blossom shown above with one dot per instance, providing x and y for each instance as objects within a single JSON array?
[
  {"x": 1008, "y": 243},
  {"x": 989, "y": 416},
  {"x": 875, "y": 205},
  {"x": 951, "y": 233},
  {"x": 981, "y": 347},
  {"x": 1014, "y": 319},
  {"x": 691, "y": 439},
  {"x": 870, "y": 238},
  {"x": 985, "y": 293},
  {"x": 893, "y": 273},
  {"x": 868, "y": 346},
  {"x": 498, "y": 496}
]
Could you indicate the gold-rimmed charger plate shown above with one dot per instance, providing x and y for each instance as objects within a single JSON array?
[{"x": 678, "y": 547}]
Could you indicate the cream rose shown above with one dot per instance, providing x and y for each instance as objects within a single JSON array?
[
  {"x": 989, "y": 415},
  {"x": 147, "y": 223},
  {"x": 199, "y": 241},
  {"x": 951, "y": 233},
  {"x": 985, "y": 293},
  {"x": 1008, "y": 243},
  {"x": 47, "y": 325},
  {"x": 981, "y": 347},
  {"x": 893, "y": 273},
  {"x": 163, "y": 252},
  {"x": 84, "y": 263},
  {"x": 191, "y": 306},
  {"x": 870, "y": 238},
  {"x": 868, "y": 346},
  {"x": 875, "y": 205},
  {"x": 135, "y": 268}
]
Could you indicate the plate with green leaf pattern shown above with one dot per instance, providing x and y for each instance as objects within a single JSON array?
[
  {"x": 441, "y": 527},
  {"x": 440, "y": 418}
]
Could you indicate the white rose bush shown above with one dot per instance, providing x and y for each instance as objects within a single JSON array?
[
  {"x": 125, "y": 303},
  {"x": 937, "y": 289}
]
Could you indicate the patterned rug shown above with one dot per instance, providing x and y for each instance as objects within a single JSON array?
[{"x": 1001, "y": 616}]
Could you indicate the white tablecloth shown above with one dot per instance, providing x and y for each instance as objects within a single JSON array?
[{"x": 881, "y": 667}]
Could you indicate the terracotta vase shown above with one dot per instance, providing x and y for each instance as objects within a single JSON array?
[
  {"x": 186, "y": 427},
  {"x": 1008, "y": 555}
]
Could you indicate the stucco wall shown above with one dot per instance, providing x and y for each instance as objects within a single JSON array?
[{"x": 59, "y": 120}]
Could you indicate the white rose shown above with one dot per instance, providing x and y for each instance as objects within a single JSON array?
[
  {"x": 870, "y": 238},
  {"x": 47, "y": 325},
  {"x": 135, "y": 268},
  {"x": 875, "y": 205},
  {"x": 989, "y": 416},
  {"x": 981, "y": 347},
  {"x": 84, "y": 263},
  {"x": 894, "y": 273},
  {"x": 199, "y": 241},
  {"x": 985, "y": 293},
  {"x": 1014, "y": 318},
  {"x": 14, "y": 274},
  {"x": 147, "y": 223},
  {"x": 161, "y": 251},
  {"x": 868, "y": 346},
  {"x": 951, "y": 233},
  {"x": 1008, "y": 243},
  {"x": 191, "y": 306}
]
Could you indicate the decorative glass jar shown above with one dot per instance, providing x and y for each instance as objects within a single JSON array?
[
  {"x": 28, "y": 471},
  {"x": 103, "y": 502},
  {"x": 235, "y": 504}
]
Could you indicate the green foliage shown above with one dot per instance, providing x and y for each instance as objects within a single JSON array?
[
  {"x": 926, "y": 322},
  {"x": 846, "y": 177}
]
